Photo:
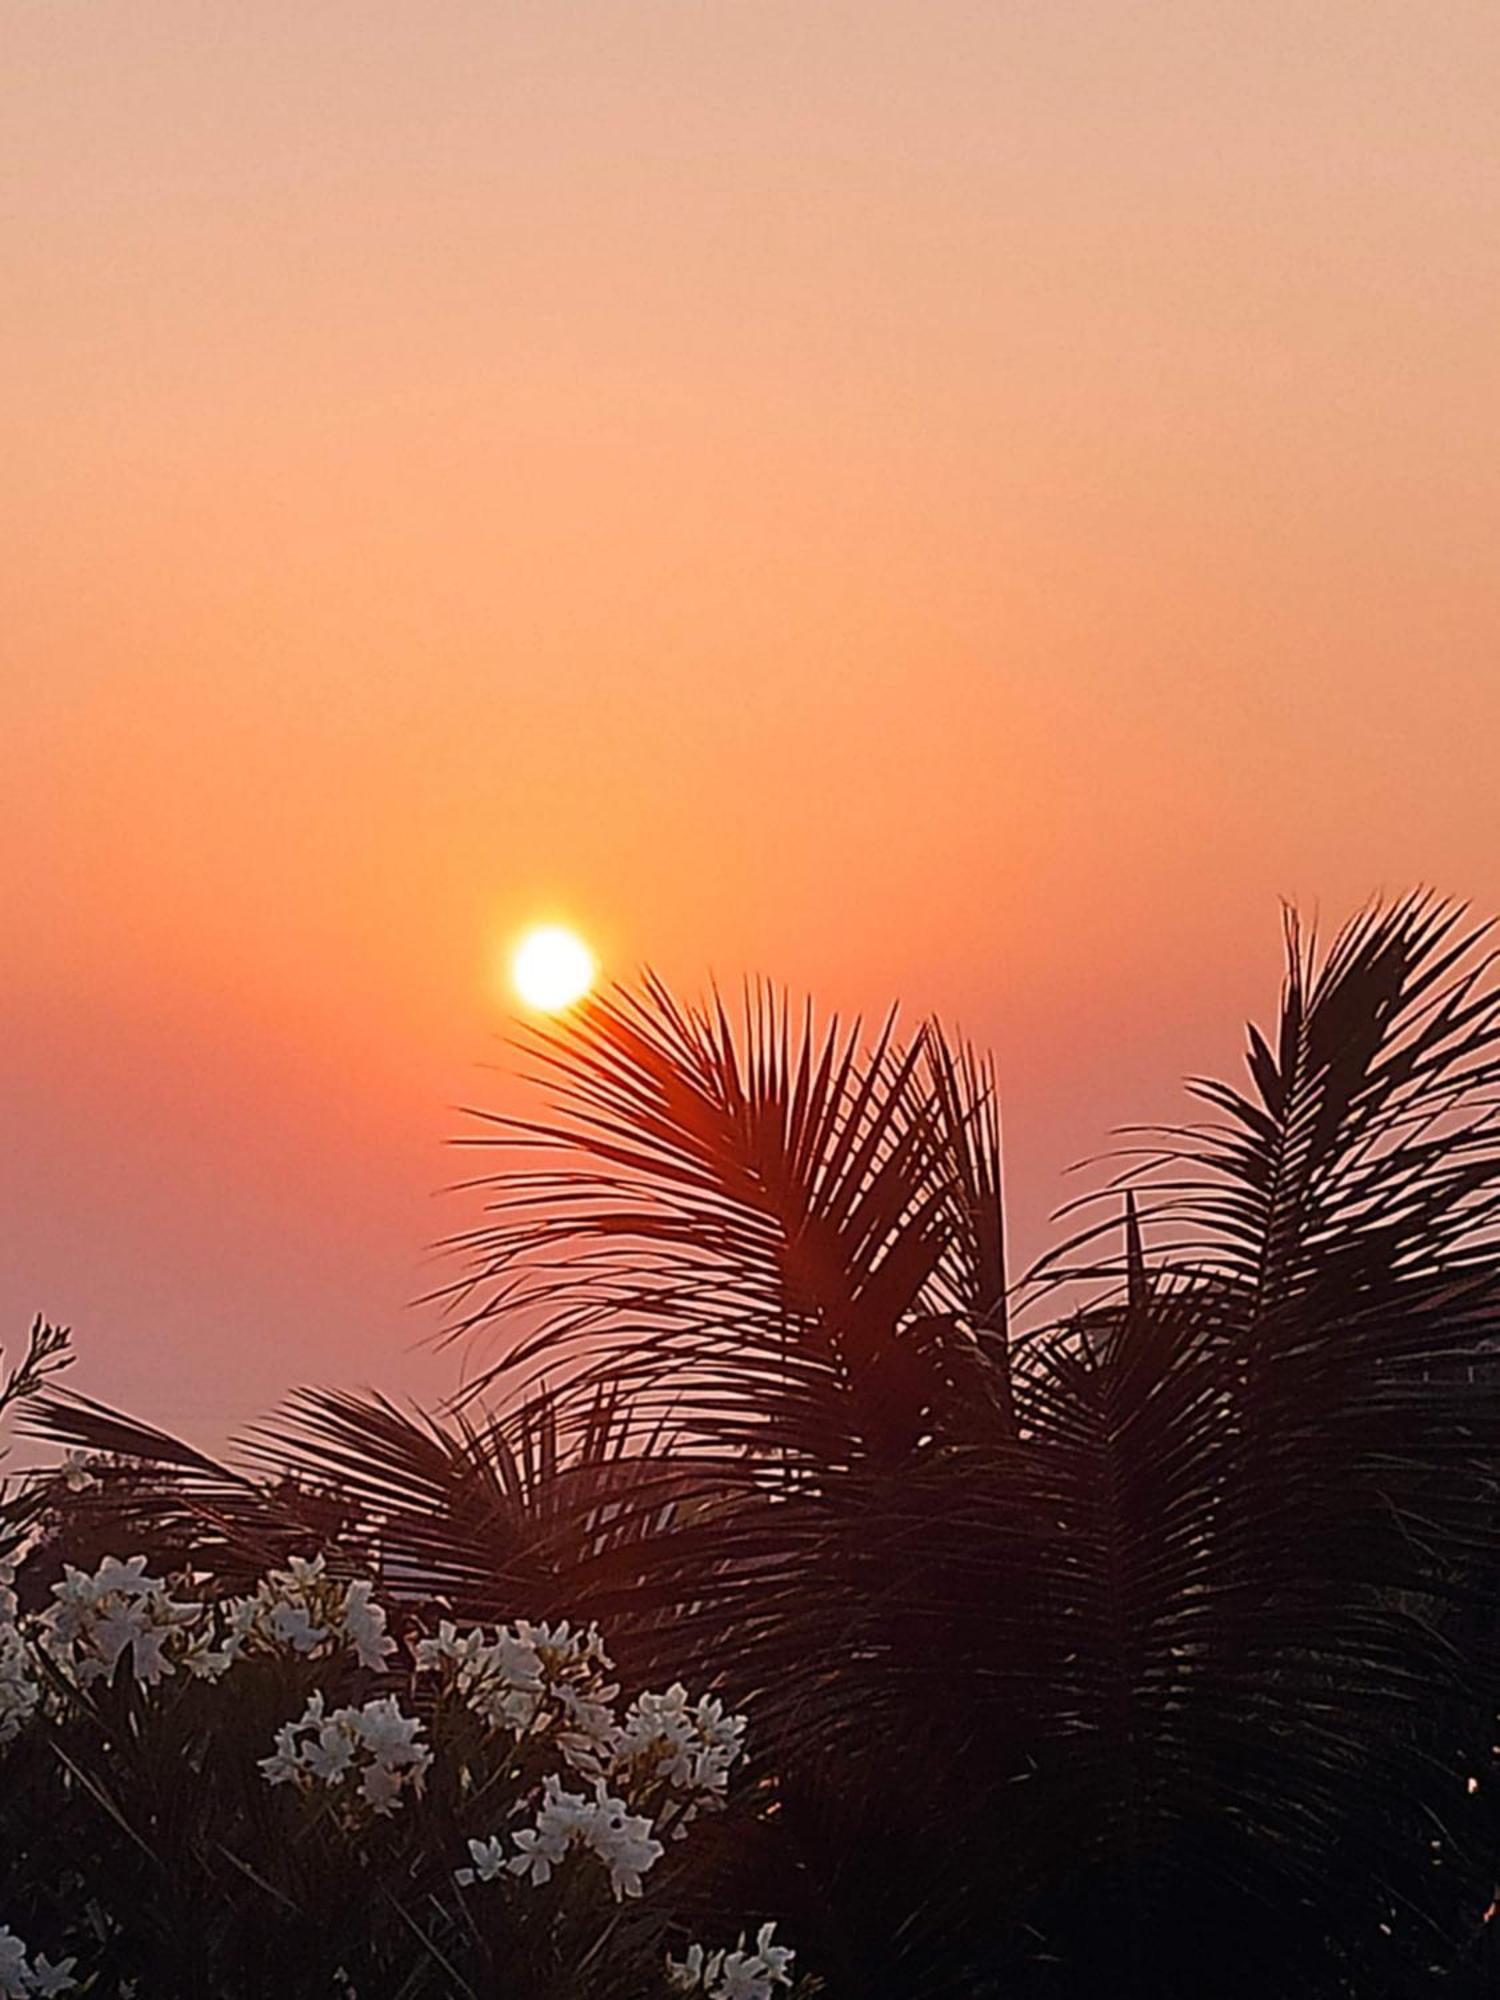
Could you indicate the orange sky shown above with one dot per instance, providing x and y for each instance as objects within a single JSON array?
[{"x": 965, "y": 501}]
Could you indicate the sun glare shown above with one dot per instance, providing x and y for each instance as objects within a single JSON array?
[{"x": 552, "y": 968}]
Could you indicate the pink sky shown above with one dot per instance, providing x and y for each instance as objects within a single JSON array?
[{"x": 965, "y": 502}]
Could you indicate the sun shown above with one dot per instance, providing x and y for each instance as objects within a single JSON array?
[{"x": 552, "y": 968}]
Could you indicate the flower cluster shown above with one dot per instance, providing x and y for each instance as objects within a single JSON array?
[
  {"x": 20, "y": 1692},
  {"x": 549, "y": 1717},
  {"x": 529, "y": 1679},
  {"x": 734, "y": 1975},
  {"x": 21, "y": 1977},
  {"x": 301, "y": 1609},
  {"x": 532, "y": 1680},
  {"x": 603, "y": 1826},
  {"x": 120, "y": 1611},
  {"x": 689, "y": 1748},
  {"x": 371, "y": 1756},
  {"x": 668, "y": 1759}
]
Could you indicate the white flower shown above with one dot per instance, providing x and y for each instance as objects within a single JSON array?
[
  {"x": 734, "y": 1975},
  {"x": 292, "y": 1625},
  {"x": 741, "y": 1979},
  {"x": 19, "y": 1979},
  {"x": 130, "y": 1626},
  {"x": 464, "y": 1649},
  {"x": 751, "y": 1975},
  {"x": 205, "y": 1661},
  {"x": 15, "y": 1973},
  {"x": 540, "y": 1848},
  {"x": 604, "y": 1825},
  {"x": 488, "y": 1857},
  {"x": 371, "y": 1755},
  {"x": 301, "y": 1609},
  {"x": 286, "y": 1764},
  {"x": 127, "y": 1579},
  {"x": 328, "y": 1755},
  {"x": 623, "y": 1842},
  {"x": 364, "y": 1626},
  {"x": 48, "y": 1979},
  {"x": 97, "y": 1620},
  {"x": 75, "y": 1472},
  {"x": 687, "y": 1975},
  {"x": 390, "y": 1736}
]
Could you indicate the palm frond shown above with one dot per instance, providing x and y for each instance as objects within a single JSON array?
[{"x": 736, "y": 1222}]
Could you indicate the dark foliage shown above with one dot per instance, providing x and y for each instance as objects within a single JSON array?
[{"x": 1145, "y": 1651}]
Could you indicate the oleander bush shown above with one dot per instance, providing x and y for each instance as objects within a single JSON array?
[{"x": 210, "y": 1792}]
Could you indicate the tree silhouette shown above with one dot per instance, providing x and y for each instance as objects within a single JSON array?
[{"x": 1138, "y": 1644}]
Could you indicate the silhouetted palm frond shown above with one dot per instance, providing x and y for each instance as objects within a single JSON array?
[{"x": 770, "y": 1202}]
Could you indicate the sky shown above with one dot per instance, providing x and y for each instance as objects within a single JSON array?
[{"x": 965, "y": 503}]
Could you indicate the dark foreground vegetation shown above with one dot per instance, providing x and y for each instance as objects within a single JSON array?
[{"x": 1125, "y": 1632}]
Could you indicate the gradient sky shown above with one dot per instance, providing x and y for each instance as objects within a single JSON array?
[{"x": 971, "y": 502}]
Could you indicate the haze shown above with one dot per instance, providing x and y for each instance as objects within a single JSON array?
[{"x": 971, "y": 503}]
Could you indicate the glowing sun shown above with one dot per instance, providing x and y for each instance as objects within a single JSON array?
[{"x": 552, "y": 968}]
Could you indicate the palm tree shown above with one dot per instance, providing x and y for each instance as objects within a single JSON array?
[{"x": 1138, "y": 1646}]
